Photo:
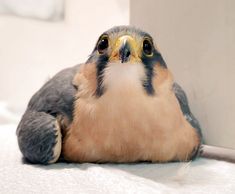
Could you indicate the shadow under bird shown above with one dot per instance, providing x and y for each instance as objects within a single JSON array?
[{"x": 122, "y": 105}]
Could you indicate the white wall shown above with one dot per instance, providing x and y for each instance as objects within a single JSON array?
[
  {"x": 31, "y": 51},
  {"x": 197, "y": 39}
]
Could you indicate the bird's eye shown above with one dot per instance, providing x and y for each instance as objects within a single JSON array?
[
  {"x": 103, "y": 44},
  {"x": 148, "y": 47}
]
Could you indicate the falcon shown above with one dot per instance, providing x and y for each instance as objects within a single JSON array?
[{"x": 121, "y": 105}]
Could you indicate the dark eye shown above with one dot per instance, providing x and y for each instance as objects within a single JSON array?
[
  {"x": 103, "y": 44},
  {"x": 147, "y": 47}
]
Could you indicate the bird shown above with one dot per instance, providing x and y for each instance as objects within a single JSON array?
[{"x": 121, "y": 105}]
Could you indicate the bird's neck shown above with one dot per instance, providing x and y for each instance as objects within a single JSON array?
[{"x": 121, "y": 79}]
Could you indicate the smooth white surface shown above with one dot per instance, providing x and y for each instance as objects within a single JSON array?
[
  {"x": 32, "y": 51},
  {"x": 200, "y": 176},
  {"x": 197, "y": 40}
]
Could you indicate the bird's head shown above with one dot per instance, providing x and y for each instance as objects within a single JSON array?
[{"x": 126, "y": 47}]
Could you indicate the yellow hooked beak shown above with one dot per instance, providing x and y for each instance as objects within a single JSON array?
[{"x": 125, "y": 49}]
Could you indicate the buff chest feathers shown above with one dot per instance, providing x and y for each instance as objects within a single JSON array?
[{"x": 122, "y": 105}]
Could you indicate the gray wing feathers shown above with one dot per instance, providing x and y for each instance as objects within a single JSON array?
[
  {"x": 183, "y": 101},
  {"x": 57, "y": 95},
  {"x": 37, "y": 136},
  {"x": 36, "y": 131}
]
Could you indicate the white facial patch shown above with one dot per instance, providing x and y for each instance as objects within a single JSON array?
[{"x": 121, "y": 75}]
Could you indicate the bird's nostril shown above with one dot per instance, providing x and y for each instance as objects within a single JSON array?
[{"x": 127, "y": 53}]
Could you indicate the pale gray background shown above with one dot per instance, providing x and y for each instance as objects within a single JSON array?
[{"x": 33, "y": 50}]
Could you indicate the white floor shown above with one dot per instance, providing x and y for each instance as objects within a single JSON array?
[{"x": 200, "y": 176}]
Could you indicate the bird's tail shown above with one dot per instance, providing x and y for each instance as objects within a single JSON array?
[{"x": 217, "y": 153}]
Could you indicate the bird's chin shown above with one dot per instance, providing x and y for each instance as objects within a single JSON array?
[
  {"x": 121, "y": 64},
  {"x": 123, "y": 74},
  {"x": 125, "y": 67},
  {"x": 131, "y": 60}
]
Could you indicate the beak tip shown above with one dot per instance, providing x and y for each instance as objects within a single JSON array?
[{"x": 124, "y": 53}]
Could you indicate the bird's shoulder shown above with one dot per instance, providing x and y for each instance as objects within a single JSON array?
[{"x": 56, "y": 96}]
